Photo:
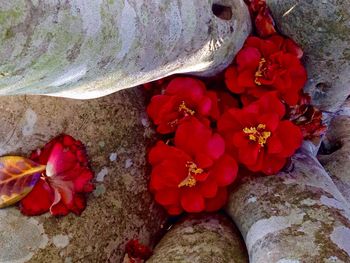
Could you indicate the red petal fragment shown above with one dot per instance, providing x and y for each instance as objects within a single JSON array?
[
  {"x": 38, "y": 201},
  {"x": 218, "y": 202},
  {"x": 192, "y": 201}
]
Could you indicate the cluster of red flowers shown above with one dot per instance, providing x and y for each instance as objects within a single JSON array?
[{"x": 210, "y": 133}]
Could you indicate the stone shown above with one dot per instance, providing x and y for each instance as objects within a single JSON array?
[
  {"x": 322, "y": 28},
  {"x": 298, "y": 215},
  {"x": 335, "y": 150},
  {"x": 203, "y": 238},
  {"x": 87, "y": 49},
  {"x": 120, "y": 209}
]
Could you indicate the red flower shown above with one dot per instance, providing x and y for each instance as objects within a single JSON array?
[
  {"x": 308, "y": 118},
  {"x": 261, "y": 15},
  {"x": 191, "y": 176},
  {"x": 266, "y": 65},
  {"x": 136, "y": 252},
  {"x": 182, "y": 98},
  {"x": 258, "y": 137},
  {"x": 67, "y": 178}
]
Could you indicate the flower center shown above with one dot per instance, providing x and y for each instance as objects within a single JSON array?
[
  {"x": 190, "y": 180},
  {"x": 258, "y": 134},
  {"x": 187, "y": 111},
  {"x": 261, "y": 71}
]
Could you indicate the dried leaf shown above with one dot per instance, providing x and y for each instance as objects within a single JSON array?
[{"x": 18, "y": 176}]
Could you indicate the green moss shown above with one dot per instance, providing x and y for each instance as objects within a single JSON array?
[{"x": 10, "y": 15}]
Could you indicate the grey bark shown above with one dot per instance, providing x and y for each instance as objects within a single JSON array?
[
  {"x": 322, "y": 28},
  {"x": 201, "y": 239},
  {"x": 116, "y": 131},
  {"x": 335, "y": 154},
  {"x": 87, "y": 49},
  {"x": 296, "y": 216}
]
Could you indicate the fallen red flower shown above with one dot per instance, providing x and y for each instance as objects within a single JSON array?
[
  {"x": 182, "y": 98},
  {"x": 62, "y": 187},
  {"x": 258, "y": 137},
  {"x": 193, "y": 174},
  {"x": 267, "y": 65},
  {"x": 136, "y": 252},
  {"x": 261, "y": 15},
  {"x": 307, "y": 117}
]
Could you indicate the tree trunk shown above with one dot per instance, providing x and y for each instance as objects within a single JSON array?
[
  {"x": 335, "y": 153},
  {"x": 87, "y": 49},
  {"x": 295, "y": 216},
  {"x": 322, "y": 28},
  {"x": 201, "y": 239}
]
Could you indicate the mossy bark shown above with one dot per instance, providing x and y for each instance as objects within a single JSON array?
[
  {"x": 298, "y": 215},
  {"x": 203, "y": 238},
  {"x": 87, "y": 49}
]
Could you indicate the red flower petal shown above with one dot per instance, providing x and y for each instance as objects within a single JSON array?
[
  {"x": 248, "y": 58},
  {"x": 225, "y": 171},
  {"x": 39, "y": 200},
  {"x": 218, "y": 201},
  {"x": 209, "y": 188},
  {"x": 197, "y": 139},
  {"x": 192, "y": 201},
  {"x": 292, "y": 141},
  {"x": 168, "y": 196}
]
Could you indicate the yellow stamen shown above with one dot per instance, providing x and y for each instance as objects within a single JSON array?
[
  {"x": 258, "y": 134},
  {"x": 184, "y": 108},
  {"x": 190, "y": 180},
  {"x": 260, "y": 71}
]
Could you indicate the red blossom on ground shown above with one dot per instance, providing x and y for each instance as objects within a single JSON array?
[
  {"x": 267, "y": 65},
  {"x": 136, "y": 252},
  {"x": 307, "y": 117},
  {"x": 62, "y": 187},
  {"x": 183, "y": 97},
  {"x": 192, "y": 175},
  {"x": 258, "y": 137}
]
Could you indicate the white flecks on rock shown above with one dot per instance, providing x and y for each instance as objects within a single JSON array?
[
  {"x": 333, "y": 259},
  {"x": 285, "y": 260},
  {"x": 101, "y": 175},
  {"x": 341, "y": 237},
  {"x": 251, "y": 199},
  {"x": 308, "y": 202},
  {"x": 113, "y": 157},
  {"x": 60, "y": 241},
  {"x": 271, "y": 225},
  {"x": 145, "y": 122},
  {"x": 20, "y": 237},
  {"x": 30, "y": 120},
  {"x": 128, "y": 163}
]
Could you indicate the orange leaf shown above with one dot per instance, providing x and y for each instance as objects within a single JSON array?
[{"x": 18, "y": 176}]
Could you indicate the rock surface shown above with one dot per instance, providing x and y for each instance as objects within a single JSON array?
[
  {"x": 335, "y": 153},
  {"x": 297, "y": 216},
  {"x": 116, "y": 131},
  {"x": 201, "y": 239},
  {"x": 322, "y": 28},
  {"x": 87, "y": 49}
]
